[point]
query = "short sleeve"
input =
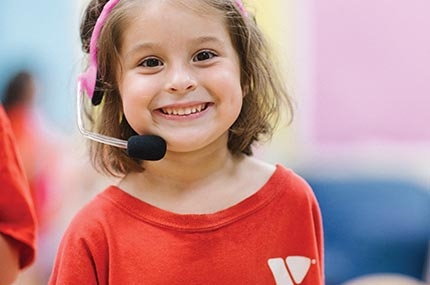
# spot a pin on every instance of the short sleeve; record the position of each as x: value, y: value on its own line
x: 17, y: 217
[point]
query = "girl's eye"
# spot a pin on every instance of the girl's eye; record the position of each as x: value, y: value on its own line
x: 151, y: 62
x: 204, y: 55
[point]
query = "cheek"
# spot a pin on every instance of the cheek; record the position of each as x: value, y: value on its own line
x: 234, y: 95
x: 136, y: 100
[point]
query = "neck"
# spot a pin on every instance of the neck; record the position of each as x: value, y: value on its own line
x: 189, y: 169
x: 179, y: 172
x: 201, y: 182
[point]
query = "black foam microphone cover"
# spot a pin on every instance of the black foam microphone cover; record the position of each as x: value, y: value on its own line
x: 146, y: 147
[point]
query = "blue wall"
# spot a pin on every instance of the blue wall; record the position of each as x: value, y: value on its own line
x: 43, y: 36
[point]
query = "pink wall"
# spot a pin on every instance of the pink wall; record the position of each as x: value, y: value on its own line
x: 371, y: 71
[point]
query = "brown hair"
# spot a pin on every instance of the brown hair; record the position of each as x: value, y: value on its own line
x: 264, y: 90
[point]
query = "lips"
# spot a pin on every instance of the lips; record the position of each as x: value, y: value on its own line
x: 184, y: 111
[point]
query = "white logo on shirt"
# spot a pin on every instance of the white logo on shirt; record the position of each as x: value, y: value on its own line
x: 292, y: 271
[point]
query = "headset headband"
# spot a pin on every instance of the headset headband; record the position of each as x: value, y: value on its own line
x: 88, y: 79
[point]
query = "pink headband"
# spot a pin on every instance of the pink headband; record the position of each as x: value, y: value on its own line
x: 241, y: 7
x: 88, y: 79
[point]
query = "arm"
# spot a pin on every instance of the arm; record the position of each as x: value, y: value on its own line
x: 9, y: 261
x: 17, y: 223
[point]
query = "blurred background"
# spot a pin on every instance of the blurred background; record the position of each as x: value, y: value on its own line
x: 358, y: 71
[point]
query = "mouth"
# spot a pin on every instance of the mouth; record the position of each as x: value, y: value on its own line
x: 184, y: 111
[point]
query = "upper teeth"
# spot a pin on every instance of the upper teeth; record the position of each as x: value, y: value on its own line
x: 183, y: 111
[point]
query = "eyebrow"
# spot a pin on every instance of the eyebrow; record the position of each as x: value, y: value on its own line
x: 153, y: 45
x: 206, y: 39
x: 141, y: 46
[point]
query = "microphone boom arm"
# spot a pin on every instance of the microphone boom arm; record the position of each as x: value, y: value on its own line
x: 91, y: 135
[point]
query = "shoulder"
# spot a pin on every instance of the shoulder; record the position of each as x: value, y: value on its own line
x: 293, y: 186
x: 277, y: 176
x: 89, y: 223
x: 287, y: 178
x: 277, y: 172
x: 279, y: 180
x: 83, y: 244
x: 94, y: 209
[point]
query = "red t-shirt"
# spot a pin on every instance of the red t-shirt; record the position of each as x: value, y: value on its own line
x: 271, y: 237
x: 17, y: 220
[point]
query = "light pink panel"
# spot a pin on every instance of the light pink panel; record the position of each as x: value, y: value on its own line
x: 372, y: 70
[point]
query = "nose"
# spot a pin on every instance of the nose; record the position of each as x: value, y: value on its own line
x: 181, y: 80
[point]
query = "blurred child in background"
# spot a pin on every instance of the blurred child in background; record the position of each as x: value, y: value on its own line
x: 19, y: 103
x: 40, y: 154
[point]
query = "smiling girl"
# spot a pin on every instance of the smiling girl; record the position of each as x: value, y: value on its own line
x: 198, y: 74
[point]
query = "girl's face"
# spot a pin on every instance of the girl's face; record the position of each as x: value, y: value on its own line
x: 180, y: 76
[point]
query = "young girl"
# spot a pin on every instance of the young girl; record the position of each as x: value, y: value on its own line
x: 198, y: 74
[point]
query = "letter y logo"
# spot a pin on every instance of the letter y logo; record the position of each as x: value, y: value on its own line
x: 292, y: 271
